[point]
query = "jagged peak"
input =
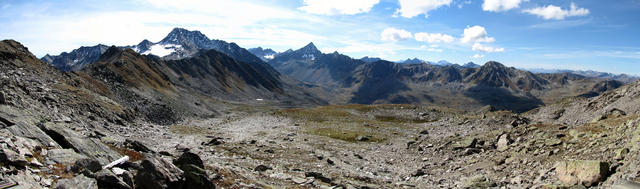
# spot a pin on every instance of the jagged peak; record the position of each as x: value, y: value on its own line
x: 310, y: 48
x: 179, y: 33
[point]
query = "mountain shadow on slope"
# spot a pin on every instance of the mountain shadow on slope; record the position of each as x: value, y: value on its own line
x: 502, y: 99
x: 377, y: 81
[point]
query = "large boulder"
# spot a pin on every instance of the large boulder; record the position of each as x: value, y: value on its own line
x: 32, y: 132
x: 194, y: 173
x: 78, y: 182
x: 64, y: 156
x: 158, y: 173
x: 107, y: 179
x: 91, y: 147
x: 585, y: 172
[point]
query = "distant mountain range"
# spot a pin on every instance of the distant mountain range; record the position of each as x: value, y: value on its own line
x: 625, y: 78
x: 189, y: 61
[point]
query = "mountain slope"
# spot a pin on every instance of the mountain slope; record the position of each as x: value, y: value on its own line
x: 467, y: 87
x: 76, y: 59
x: 308, y: 64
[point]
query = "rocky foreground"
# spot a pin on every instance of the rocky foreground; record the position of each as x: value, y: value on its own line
x: 62, y: 130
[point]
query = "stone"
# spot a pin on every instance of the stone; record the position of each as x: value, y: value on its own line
x: 91, y: 147
x: 189, y: 158
x: 470, y: 151
x: 3, y: 99
x: 194, y: 173
x: 214, y: 141
x: 13, y: 158
x: 86, y: 164
x: 158, y: 173
x: 621, y: 153
x: 196, y: 177
x: 419, y: 172
x: 106, y: 179
x: 118, y: 171
x: 552, y: 142
x: 262, y: 168
x: 469, y: 142
x: 479, y: 181
x: 137, y: 146
x: 32, y: 132
x: 424, y: 132
x: 64, y: 156
x: 78, y: 182
x: 318, y: 176
x: 503, y: 142
x: 363, y: 138
x: 584, y: 172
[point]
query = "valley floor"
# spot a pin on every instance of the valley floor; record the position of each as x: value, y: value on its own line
x: 395, y: 146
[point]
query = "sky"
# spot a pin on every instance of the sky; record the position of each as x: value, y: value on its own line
x: 550, y: 34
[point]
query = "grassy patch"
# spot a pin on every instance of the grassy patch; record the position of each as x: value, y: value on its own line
x: 347, y: 122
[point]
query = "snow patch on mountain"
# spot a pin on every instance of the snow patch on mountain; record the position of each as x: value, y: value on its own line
x: 161, y: 50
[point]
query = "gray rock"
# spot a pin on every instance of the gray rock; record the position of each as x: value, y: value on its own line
x: 78, y: 182
x: 479, y: 181
x: 106, y: 179
x: 363, y: 138
x: 262, y: 168
x: 137, y: 146
x: 91, y: 147
x: 64, y: 156
x: 585, y: 172
x: 503, y: 142
x: 466, y: 143
x: 32, y: 132
x: 3, y: 100
x: 86, y: 164
x: 158, y: 173
x: 194, y: 173
x: 10, y: 157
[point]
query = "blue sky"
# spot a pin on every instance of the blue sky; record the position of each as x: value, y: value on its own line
x: 552, y: 34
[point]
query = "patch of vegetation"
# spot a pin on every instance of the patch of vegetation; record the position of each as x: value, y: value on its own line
x: 346, y: 135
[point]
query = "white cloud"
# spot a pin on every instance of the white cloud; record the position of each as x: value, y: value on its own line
x: 433, y: 37
x: 412, y: 8
x: 500, y: 5
x: 334, y: 7
x: 478, y: 56
x: 554, y: 12
x: 393, y: 34
x: 483, y: 48
x: 431, y: 48
x: 476, y: 34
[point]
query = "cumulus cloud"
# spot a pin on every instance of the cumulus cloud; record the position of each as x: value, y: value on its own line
x: 412, y: 8
x: 500, y: 5
x: 334, y: 7
x: 393, y: 34
x: 433, y: 37
x: 476, y: 34
x: 554, y: 12
x: 478, y: 56
x: 484, y: 48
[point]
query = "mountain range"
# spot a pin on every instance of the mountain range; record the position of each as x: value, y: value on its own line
x: 190, y: 60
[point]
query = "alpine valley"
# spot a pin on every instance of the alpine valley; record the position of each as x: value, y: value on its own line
x: 193, y: 112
